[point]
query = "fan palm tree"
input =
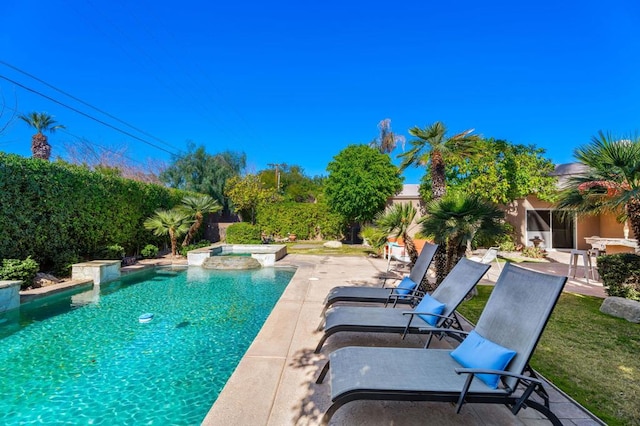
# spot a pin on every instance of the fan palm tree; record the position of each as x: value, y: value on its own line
x: 431, y: 148
x: 196, y: 207
x: 611, y: 181
x: 387, y: 140
x: 456, y: 219
x: 395, y: 221
x: 42, y: 122
x: 168, y: 222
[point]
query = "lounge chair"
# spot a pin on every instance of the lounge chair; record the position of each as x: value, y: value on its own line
x: 511, y: 323
x: 451, y: 292
x: 402, y: 294
x: 490, y: 255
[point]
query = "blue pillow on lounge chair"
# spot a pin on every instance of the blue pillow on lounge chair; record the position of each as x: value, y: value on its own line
x: 477, y: 352
x: 406, y: 286
x: 429, y: 305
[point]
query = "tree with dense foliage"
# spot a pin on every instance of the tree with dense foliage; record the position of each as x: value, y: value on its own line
x: 455, y: 220
x: 387, y: 140
x: 41, y: 122
x: 198, y: 171
x: 173, y: 223
x: 501, y: 174
x: 396, y: 221
x: 247, y: 193
x: 292, y: 183
x: 196, y: 207
x: 610, y: 182
x: 361, y: 180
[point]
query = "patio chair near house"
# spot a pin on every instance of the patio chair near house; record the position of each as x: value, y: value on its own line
x: 435, y: 311
x: 491, y: 255
x: 488, y: 367
x: 404, y: 293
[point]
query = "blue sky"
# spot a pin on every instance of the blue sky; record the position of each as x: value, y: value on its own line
x: 296, y: 82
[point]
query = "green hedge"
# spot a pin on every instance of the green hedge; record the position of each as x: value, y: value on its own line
x: 620, y: 274
x: 243, y: 233
x: 52, y: 208
x: 307, y: 220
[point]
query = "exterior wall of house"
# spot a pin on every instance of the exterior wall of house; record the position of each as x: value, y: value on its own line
x: 604, y: 225
x: 410, y: 194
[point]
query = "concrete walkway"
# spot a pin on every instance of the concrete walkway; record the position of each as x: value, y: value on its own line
x: 274, y: 384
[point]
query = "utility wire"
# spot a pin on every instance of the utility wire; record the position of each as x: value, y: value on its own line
x: 86, y: 103
x: 133, y: 160
x: 87, y: 115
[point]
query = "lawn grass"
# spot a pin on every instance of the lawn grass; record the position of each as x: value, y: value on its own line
x: 316, y: 247
x: 593, y: 357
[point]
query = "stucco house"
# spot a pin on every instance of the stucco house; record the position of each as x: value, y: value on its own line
x: 539, y: 221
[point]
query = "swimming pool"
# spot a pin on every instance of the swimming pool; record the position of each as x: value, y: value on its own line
x: 86, y: 359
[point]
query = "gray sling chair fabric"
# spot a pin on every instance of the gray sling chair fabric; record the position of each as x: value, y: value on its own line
x: 514, y: 317
x: 451, y: 291
x: 384, y: 294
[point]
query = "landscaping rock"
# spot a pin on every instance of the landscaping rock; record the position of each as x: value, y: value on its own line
x: 43, y: 280
x: 231, y: 262
x: 622, y: 308
x: 332, y: 244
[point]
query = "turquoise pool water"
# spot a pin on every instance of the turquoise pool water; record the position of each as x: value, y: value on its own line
x: 86, y: 359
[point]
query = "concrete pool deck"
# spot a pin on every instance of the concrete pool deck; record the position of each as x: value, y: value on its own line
x: 274, y: 384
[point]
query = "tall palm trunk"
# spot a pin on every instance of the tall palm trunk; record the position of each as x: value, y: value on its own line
x: 174, y: 242
x: 438, y: 176
x: 439, y: 189
x: 40, y: 147
x: 193, y: 229
x: 410, y: 247
x: 633, y: 212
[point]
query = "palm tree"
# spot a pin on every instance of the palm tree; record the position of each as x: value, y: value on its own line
x: 456, y: 219
x: 168, y: 222
x: 42, y: 122
x: 431, y: 148
x: 611, y: 181
x: 196, y: 207
x: 395, y: 221
x: 387, y: 140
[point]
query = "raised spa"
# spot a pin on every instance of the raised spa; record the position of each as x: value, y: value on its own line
x: 266, y: 254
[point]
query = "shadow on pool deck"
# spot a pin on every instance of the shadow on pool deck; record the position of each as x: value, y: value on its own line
x: 274, y: 384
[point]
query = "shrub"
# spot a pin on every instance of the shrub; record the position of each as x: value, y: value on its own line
x: 149, y: 251
x: 503, y: 239
x: 620, y: 274
x: 375, y: 237
x: 183, y: 250
x: 533, y: 252
x: 19, y: 270
x: 63, y: 261
x: 243, y: 233
x: 112, y: 252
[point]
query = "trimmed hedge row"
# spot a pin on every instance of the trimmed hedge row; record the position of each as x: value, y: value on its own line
x: 307, y: 220
x: 58, y: 211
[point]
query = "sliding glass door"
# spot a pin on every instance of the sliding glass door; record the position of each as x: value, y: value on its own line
x: 554, y: 229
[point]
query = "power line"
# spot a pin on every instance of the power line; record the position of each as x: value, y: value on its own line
x: 104, y: 148
x: 86, y: 103
x: 86, y: 115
